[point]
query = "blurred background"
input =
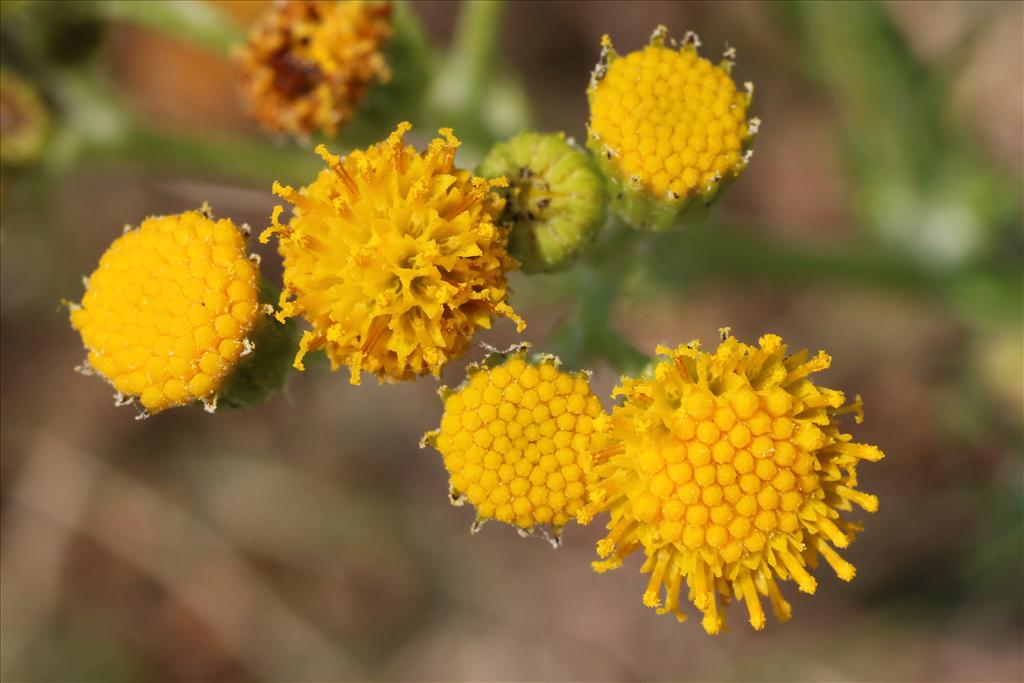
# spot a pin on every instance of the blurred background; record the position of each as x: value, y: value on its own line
x: 309, y: 538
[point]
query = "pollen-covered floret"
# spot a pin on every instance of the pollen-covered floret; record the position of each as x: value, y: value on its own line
x: 308, y: 63
x: 729, y: 470
x: 165, y: 315
x: 516, y: 438
x: 394, y: 258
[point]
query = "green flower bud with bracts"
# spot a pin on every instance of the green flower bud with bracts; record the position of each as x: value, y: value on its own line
x: 555, y: 200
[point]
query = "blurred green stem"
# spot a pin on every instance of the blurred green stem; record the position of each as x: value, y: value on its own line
x: 595, y: 282
x: 100, y: 127
x: 474, y: 53
x: 468, y: 71
x: 721, y: 251
x: 193, y: 22
x: 409, y: 32
x: 235, y: 158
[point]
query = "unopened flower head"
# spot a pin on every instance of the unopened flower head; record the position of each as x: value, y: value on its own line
x: 516, y: 438
x: 668, y: 127
x: 555, y: 200
x: 24, y: 120
x: 308, y: 63
x: 729, y: 471
x: 394, y: 258
x: 166, y: 314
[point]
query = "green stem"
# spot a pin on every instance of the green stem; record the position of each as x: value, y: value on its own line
x: 722, y: 252
x: 410, y: 34
x: 237, y: 158
x: 601, y: 339
x: 595, y: 283
x: 475, y: 51
x: 459, y: 94
x: 194, y: 22
x: 99, y: 127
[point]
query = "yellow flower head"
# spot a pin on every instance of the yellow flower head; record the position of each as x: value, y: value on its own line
x: 394, y: 258
x: 729, y: 470
x: 667, y: 125
x: 308, y: 63
x: 165, y: 315
x: 516, y: 438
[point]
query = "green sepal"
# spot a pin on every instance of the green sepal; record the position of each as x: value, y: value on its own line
x: 637, y: 207
x: 264, y: 370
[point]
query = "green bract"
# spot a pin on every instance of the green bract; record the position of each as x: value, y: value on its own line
x: 265, y: 371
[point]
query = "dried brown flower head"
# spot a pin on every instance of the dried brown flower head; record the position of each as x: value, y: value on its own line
x: 308, y: 63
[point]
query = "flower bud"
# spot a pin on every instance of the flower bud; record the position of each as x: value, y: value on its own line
x: 555, y: 200
x: 24, y: 120
x: 669, y: 129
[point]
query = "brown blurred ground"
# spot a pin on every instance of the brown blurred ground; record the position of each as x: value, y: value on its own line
x: 310, y: 538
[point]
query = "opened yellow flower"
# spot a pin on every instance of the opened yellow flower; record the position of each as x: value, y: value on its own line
x: 516, y: 438
x: 394, y: 258
x: 308, y: 63
x: 729, y: 470
x: 166, y: 314
x: 668, y: 126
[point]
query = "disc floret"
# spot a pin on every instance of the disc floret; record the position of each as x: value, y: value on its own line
x: 729, y: 470
x: 394, y: 258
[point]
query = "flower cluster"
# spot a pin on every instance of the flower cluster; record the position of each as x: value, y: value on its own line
x: 728, y: 470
